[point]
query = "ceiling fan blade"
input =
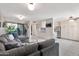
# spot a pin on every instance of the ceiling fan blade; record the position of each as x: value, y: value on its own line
x: 76, y: 18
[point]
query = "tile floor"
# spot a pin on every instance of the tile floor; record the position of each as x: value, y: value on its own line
x: 68, y: 47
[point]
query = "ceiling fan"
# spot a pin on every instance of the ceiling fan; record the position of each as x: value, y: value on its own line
x: 73, y: 18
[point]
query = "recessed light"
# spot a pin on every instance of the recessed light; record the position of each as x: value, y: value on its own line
x: 21, y: 17
x: 31, y: 6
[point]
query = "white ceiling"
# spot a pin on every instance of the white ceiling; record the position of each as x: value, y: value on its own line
x: 42, y: 10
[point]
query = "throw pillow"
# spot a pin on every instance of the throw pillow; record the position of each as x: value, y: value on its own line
x: 11, y: 37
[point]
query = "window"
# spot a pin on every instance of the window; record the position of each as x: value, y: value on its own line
x: 19, y: 28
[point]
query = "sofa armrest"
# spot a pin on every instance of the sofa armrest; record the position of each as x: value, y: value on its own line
x: 46, y: 43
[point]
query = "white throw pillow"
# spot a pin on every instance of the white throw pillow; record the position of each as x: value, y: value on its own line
x: 11, y: 37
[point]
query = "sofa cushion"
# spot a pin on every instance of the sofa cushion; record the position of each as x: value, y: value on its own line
x: 47, y: 43
x: 5, y: 36
x: 8, y: 37
x: 3, y: 40
x: 10, y: 45
x: 24, y: 50
x: 51, y: 51
x: 2, y: 47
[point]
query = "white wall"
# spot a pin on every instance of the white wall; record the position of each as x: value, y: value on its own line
x: 70, y: 29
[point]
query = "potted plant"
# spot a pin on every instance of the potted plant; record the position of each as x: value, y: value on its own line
x: 10, y: 29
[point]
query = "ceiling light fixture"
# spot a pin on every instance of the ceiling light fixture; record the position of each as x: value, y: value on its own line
x: 31, y: 6
x: 21, y: 17
x: 71, y: 18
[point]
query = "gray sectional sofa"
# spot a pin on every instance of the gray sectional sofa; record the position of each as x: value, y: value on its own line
x: 44, y: 48
x: 49, y: 48
x: 26, y: 50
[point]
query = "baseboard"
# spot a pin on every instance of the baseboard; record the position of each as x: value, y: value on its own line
x: 70, y: 39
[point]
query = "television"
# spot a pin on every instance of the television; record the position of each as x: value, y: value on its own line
x: 49, y: 25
